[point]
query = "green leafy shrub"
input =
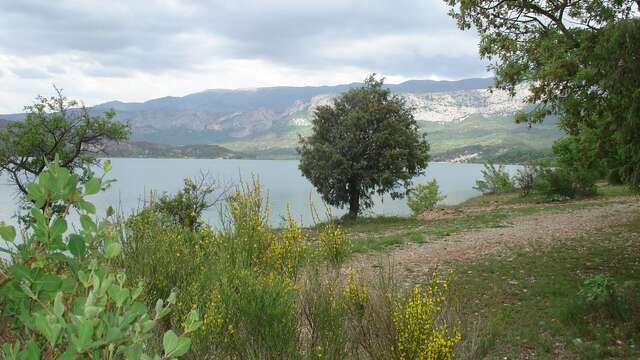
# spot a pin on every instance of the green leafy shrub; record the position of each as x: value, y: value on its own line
x: 61, y: 297
x: 577, y: 170
x: 603, y: 298
x: 187, y: 205
x: 495, y: 180
x: 525, y: 179
x: 424, y: 197
x: 564, y: 183
x: 614, y: 177
x: 598, y: 290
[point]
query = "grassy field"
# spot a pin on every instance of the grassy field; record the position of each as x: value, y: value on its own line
x: 532, y: 302
x: 529, y: 304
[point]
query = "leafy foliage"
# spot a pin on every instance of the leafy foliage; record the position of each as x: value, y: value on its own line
x: 188, y: 204
x: 579, y: 60
x: 525, y: 179
x: 62, y: 298
x: 368, y: 142
x: 424, y: 197
x: 495, y: 180
x: 55, y: 127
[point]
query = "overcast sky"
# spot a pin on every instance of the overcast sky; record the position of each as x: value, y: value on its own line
x: 134, y: 50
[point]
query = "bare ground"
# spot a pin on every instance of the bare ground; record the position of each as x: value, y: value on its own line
x: 414, y: 262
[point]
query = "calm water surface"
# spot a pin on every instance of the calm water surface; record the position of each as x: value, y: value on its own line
x: 280, y: 179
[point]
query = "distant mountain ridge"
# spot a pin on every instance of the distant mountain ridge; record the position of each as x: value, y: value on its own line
x: 268, y: 120
x: 280, y: 98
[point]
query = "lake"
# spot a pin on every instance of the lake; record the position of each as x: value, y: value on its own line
x: 280, y: 179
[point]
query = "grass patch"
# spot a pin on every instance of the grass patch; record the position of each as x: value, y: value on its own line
x: 528, y: 304
x: 378, y: 233
x: 515, y: 198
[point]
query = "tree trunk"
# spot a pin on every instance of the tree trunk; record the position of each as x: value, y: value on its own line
x: 354, y: 199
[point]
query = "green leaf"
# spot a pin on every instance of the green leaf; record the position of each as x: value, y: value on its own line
x: 112, y: 249
x: 136, y: 310
x: 193, y: 321
x: 49, y: 329
x: 67, y: 355
x: 118, y: 294
x: 58, y: 305
x: 107, y: 166
x: 7, y: 233
x: 87, y: 223
x: 77, y: 245
x: 92, y: 186
x: 84, y: 278
x: 110, y: 211
x: 30, y: 352
x: 36, y: 194
x: 85, y: 333
x: 48, y: 283
x: 38, y: 216
x: 58, y: 228
x: 184, y: 343
x: 87, y: 206
x: 169, y: 342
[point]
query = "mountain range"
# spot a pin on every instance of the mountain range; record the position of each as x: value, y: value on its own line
x: 463, y: 119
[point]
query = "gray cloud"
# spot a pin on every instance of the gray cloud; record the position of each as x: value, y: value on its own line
x: 123, y: 37
x: 30, y: 73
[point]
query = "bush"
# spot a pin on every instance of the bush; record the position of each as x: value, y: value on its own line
x: 496, y: 180
x: 615, y: 177
x: 424, y: 197
x: 420, y: 333
x: 525, y: 179
x: 598, y: 290
x: 242, y: 277
x: 186, y: 206
x: 62, y: 297
x: 603, y: 298
x: 565, y: 183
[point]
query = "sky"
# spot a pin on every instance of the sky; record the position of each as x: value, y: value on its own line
x: 136, y: 50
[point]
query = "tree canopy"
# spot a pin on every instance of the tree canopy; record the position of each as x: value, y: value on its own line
x: 367, y: 142
x: 55, y: 127
x: 579, y: 59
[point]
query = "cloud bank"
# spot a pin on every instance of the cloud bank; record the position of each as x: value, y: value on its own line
x: 139, y: 49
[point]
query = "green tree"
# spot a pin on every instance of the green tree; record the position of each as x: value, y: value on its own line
x: 55, y: 126
x: 368, y: 142
x: 579, y: 59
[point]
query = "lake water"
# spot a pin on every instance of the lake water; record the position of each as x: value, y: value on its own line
x: 281, y: 179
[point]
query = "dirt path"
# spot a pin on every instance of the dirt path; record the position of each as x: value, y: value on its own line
x: 414, y: 261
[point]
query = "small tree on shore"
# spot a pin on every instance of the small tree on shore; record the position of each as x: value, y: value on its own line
x: 367, y: 142
x: 55, y: 126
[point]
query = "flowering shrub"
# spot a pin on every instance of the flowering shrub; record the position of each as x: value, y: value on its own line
x: 62, y: 298
x: 260, y: 293
x: 420, y: 333
x: 334, y: 246
x: 355, y: 294
x: 242, y: 278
